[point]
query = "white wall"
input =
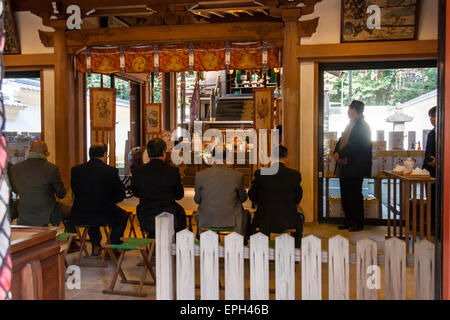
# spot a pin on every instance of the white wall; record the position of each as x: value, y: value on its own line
x: 28, y: 25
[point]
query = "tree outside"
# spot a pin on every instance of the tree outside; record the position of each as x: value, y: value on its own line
x: 381, y: 87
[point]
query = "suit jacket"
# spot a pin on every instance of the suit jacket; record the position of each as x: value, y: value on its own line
x: 358, y: 152
x: 430, y: 151
x: 96, y: 188
x: 277, y: 197
x: 157, y: 185
x: 219, y: 191
x: 37, y: 182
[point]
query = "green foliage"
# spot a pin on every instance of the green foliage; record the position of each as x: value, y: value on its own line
x: 123, y: 88
x: 383, y: 87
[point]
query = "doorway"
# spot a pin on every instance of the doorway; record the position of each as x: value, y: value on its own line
x: 127, y: 121
x: 397, y: 97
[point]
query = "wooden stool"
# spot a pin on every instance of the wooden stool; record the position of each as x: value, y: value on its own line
x: 65, y: 239
x: 220, y: 231
x: 189, y: 215
x: 131, y: 219
x: 83, y: 248
x: 143, y: 245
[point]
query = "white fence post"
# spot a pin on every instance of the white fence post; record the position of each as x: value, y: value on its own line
x: 164, y: 268
x: 395, y: 269
x: 209, y: 265
x: 259, y: 267
x: 234, y: 267
x: 311, y: 268
x: 366, y: 260
x: 285, y: 267
x: 424, y: 270
x: 185, y: 265
x: 338, y: 268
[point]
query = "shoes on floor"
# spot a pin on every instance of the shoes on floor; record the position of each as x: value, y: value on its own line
x: 116, y: 253
x: 344, y: 226
x: 96, y: 251
x: 355, y: 229
x: 73, y: 248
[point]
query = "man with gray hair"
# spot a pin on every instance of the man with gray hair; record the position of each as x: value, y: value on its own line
x: 37, y: 182
x: 220, y: 192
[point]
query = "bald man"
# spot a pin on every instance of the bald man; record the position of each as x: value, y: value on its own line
x: 37, y: 182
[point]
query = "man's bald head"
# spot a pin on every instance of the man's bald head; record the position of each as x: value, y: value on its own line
x: 39, y: 147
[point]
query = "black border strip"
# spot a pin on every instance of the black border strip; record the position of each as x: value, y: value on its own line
x: 440, y: 151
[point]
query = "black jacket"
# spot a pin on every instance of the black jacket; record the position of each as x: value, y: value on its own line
x: 157, y: 185
x: 358, y: 152
x: 96, y: 188
x: 277, y: 197
x: 430, y: 151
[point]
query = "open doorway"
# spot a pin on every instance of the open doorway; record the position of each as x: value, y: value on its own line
x: 397, y: 97
x: 127, y: 115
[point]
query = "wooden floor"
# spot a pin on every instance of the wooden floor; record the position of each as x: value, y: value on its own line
x: 94, y: 280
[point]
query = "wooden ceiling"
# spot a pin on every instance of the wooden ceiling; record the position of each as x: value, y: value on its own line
x: 169, y: 12
x: 87, y: 5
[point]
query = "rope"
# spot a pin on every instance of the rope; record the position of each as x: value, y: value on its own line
x: 5, y: 231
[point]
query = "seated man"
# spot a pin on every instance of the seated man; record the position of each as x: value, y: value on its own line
x: 97, y: 188
x: 220, y: 192
x: 277, y: 197
x: 37, y: 182
x: 157, y: 185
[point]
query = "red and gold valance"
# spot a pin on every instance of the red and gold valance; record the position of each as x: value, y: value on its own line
x: 139, y: 59
x: 210, y: 57
x: 173, y: 58
x: 179, y: 57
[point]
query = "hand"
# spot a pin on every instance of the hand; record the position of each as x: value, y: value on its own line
x: 336, y: 157
x: 432, y: 163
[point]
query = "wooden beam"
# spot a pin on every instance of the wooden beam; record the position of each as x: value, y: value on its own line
x: 29, y: 60
x: 368, y: 50
x: 250, y: 31
x: 45, y: 6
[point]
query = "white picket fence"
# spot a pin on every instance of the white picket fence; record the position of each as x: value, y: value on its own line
x: 285, y: 255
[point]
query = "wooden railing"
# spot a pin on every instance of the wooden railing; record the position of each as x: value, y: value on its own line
x: 285, y: 255
x: 413, y: 220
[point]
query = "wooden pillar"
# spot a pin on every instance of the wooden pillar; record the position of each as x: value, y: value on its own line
x: 65, y: 120
x: 183, y: 97
x: 80, y: 118
x: 290, y: 84
x: 173, y: 101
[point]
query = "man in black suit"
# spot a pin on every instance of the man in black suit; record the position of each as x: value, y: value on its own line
x: 97, y: 189
x: 277, y: 197
x: 429, y: 162
x: 158, y: 186
x: 430, y: 151
x: 353, y: 155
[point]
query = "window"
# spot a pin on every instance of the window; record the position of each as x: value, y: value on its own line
x: 22, y: 100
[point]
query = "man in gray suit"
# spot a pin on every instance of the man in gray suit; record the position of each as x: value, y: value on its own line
x: 37, y: 182
x: 220, y: 192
